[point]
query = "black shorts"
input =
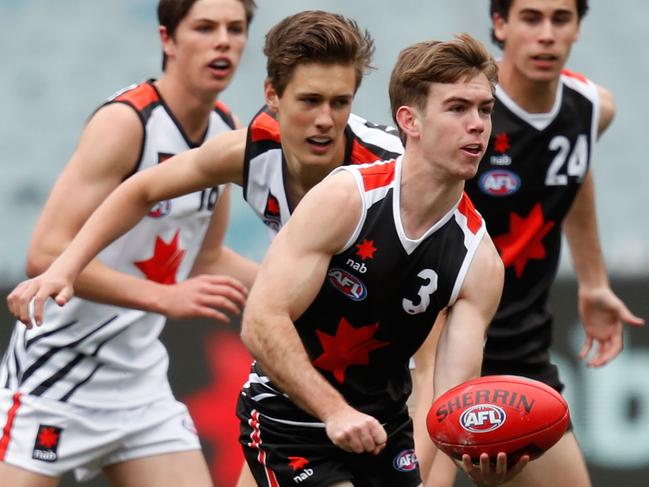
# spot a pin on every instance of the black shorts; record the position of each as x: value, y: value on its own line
x: 519, y: 344
x: 542, y: 370
x: 282, y: 454
x: 537, y: 367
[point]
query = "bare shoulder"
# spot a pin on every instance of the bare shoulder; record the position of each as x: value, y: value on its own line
x: 485, y: 277
x: 607, y: 109
x: 332, y: 209
x: 111, y: 141
x: 116, y: 119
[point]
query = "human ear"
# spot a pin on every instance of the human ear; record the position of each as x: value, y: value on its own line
x: 271, y: 96
x: 406, y: 118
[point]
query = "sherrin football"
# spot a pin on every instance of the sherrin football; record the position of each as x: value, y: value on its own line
x: 512, y: 414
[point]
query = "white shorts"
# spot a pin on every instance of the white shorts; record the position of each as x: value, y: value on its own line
x: 52, y: 438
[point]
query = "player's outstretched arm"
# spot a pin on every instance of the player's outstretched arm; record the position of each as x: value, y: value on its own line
x: 220, y: 160
x: 602, y: 312
x: 459, y: 353
x: 459, y: 350
x: 289, y: 279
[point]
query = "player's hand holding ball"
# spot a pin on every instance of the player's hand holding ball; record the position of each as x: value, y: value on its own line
x: 494, y: 425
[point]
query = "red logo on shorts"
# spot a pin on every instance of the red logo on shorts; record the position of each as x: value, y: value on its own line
x: 297, y: 463
x: 47, y: 442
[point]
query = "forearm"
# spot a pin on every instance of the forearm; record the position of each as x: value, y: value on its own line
x: 423, y: 390
x: 459, y: 351
x: 230, y: 263
x: 120, y: 212
x: 580, y: 228
x: 279, y: 350
x: 98, y: 282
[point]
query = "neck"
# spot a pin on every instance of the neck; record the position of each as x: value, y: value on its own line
x: 426, y: 194
x: 302, y: 177
x: 532, y: 96
x: 191, y: 108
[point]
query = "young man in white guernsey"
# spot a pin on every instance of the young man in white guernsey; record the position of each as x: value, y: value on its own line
x: 326, y: 399
x: 308, y: 103
x: 88, y: 390
x: 535, y: 183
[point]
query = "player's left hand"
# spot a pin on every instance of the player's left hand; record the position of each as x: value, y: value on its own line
x: 602, y: 314
x: 487, y: 475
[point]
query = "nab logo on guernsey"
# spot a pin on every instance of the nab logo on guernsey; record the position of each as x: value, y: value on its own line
x: 47, y: 443
x: 482, y: 418
x: 406, y: 461
x: 499, y: 182
x: 348, y: 284
x: 357, y: 266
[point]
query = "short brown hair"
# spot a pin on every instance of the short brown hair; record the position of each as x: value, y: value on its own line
x: 314, y: 36
x: 172, y: 12
x: 424, y: 63
x: 502, y: 8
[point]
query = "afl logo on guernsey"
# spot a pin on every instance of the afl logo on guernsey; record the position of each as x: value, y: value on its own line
x: 406, y: 461
x: 499, y: 182
x: 163, y: 208
x: 348, y: 284
x: 482, y: 418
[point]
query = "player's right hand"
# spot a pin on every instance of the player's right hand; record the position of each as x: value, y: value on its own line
x: 27, y: 299
x: 485, y: 474
x: 356, y: 432
x: 204, y: 296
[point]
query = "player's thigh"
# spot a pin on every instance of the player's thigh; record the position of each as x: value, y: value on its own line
x: 182, y: 469
x: 562, y: 465
x: 19, y: 477
x: 245, y: 477
x: 442, y: 472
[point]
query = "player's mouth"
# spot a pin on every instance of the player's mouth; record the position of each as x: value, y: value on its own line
x: 545, y: 60
x: 475, y: 150
x: 319, y: 144
x: 221, y: 67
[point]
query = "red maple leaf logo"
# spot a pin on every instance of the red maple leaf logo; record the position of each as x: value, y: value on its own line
x: 297, y: 463
x: 366, y: 249
x: 501, y: 142
x: 524, y: 240
x: 48, y: 438
x: 350, y: 346
x: 164, y: 263
x: 272, y: 205
x: 213, y: 408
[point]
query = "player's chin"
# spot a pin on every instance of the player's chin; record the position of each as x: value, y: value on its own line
x: 467, y: 172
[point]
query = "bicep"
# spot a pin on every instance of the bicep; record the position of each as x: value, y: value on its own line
x: 107, y: 152
x: 294, y: 268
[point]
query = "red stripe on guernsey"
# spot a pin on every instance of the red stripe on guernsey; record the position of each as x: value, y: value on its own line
x: 6, y: 431
x: 573, y: 74
x: 265, y: 127
x: 378, y: 175
x: 141, y: 96
x: 361, y: 154
x: 219, y: 105
x: 255, y: 442
x: 473, y: 218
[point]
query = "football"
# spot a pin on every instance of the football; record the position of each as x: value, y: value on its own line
x: 512, y: 414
